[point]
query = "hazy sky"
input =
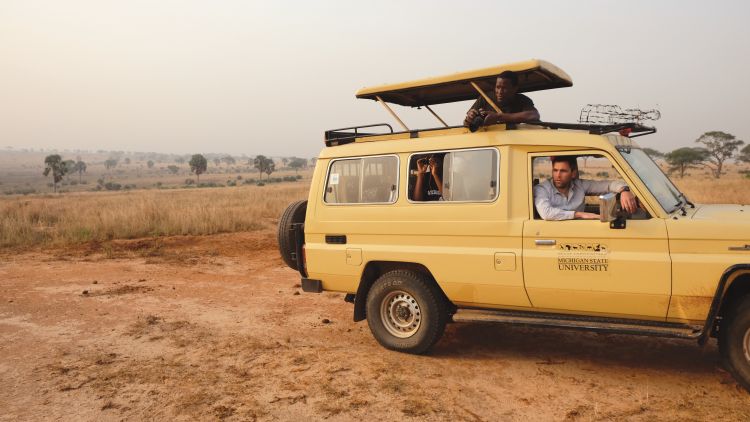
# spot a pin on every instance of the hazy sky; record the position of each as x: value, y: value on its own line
x: 270, y: 77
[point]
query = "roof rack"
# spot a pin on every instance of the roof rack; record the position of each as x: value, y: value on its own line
x: 632, y: 129
x: 348, y: 135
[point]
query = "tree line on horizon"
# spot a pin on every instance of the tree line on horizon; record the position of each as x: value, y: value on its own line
x: 58, y: 168
x: 716, y: 148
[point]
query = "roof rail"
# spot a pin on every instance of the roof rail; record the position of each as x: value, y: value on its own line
x: 348, y: 135
x: 632, y: 129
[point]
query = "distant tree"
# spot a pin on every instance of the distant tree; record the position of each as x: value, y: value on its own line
x: 70, y: 167
x: 262, y: 163
x: 217, y: 162
x: 297, y: 163
x: 270, y: 167
x: 654, y: 154
x: 745, y: 154
x: 127, y: 160
x: 173, y: 168
x: 179, y: 160
x: 229, y: 160
x: 720, y: 147
x: 285, y: 161
x: 198, y: 165
x: 80, y: 168
x: 150, y: 164
x: 53, y: 164
x: 684, y: 158
x: 110, y: 163
x: 313, y: 161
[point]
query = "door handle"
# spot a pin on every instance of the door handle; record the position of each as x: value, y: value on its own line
x: 545, y: 242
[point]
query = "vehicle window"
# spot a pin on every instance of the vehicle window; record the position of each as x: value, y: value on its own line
x: 596, y: 168
x: 367, y: 180
x: 457, y: 176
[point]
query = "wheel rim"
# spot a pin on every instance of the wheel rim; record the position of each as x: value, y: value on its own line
x: 746, y: 344
x: 401, y: 314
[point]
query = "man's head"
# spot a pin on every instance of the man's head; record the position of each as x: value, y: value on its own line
x: 564, y: 171
x: 506, y: 86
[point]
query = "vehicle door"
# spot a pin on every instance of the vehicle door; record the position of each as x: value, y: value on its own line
x: 584, y: 266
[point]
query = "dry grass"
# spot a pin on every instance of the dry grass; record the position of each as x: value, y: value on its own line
x: 732, y: 188
x: 82, y: 217
x: 57, y: 220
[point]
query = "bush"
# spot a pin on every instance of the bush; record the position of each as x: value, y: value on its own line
x: 112, y: 186
x: 83, y: 182
x: 73, y: 182
x: 249, y: 181
x: 189, y: 182
x: 299, y: 176
x: 260, y: 184
x: 239, y: 177
x: 210, y: 185
x: 231, y: 183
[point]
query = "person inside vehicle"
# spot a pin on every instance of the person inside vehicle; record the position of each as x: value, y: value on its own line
x: 516, y: 108
x: 562, y: 197
x: 429, y: 184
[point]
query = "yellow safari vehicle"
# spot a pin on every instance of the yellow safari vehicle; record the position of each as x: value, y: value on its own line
x: 414, y: 252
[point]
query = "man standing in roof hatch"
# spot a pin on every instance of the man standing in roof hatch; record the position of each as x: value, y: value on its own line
x: 516, y: 108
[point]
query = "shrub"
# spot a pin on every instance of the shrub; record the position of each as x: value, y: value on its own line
x: 239, y: 177
x: 189, y: 182
x: 112, y: 186
x: 260, y: 184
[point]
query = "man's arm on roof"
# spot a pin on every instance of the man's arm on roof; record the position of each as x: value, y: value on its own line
x: 544, y: 206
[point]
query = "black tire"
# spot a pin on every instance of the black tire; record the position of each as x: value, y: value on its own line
x: 734, y: 342
x: 293, y: 214
x: 406, y: 311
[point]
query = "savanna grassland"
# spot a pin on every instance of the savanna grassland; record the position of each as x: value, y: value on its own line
x: 167, y: 302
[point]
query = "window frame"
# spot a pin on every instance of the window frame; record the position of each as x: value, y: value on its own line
x: 530, y: 156
x: 497, y: 180
x: 362, y: 157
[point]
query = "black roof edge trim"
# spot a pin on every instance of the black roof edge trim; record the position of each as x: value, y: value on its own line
x: 343, y: 136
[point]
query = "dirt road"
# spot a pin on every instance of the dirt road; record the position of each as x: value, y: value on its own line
x: 216, y: 327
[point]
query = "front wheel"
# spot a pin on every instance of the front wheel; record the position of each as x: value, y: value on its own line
x: 406, y: 311
x: 734, y: 343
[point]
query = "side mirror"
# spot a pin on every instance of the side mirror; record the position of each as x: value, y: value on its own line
x: 607, y: 203
x: 608, y: 211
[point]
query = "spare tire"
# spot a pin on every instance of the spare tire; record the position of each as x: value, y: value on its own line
x: 293, y: 214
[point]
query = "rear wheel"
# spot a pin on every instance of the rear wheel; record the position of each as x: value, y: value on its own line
x: 406, y: 311
x: 294, y: 214
x: 734, y: 342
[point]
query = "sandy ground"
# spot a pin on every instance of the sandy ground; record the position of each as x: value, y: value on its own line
x: 217, y: 328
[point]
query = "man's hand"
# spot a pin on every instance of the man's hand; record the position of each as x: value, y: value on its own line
x: 472, y: 114
x: 493, y: 118
x: 586, y: 215
x: 628, y: 202
x: 422, y: 164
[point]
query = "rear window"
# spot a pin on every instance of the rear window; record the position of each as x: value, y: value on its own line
x: 366, y: 180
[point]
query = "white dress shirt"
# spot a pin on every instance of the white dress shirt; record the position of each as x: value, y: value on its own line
x: 553, y: 205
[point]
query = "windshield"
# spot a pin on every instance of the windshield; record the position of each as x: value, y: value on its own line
x: 656, y: 181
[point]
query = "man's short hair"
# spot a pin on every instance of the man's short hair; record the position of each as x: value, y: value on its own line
x: 570, y: 159
x: 509, y: 75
